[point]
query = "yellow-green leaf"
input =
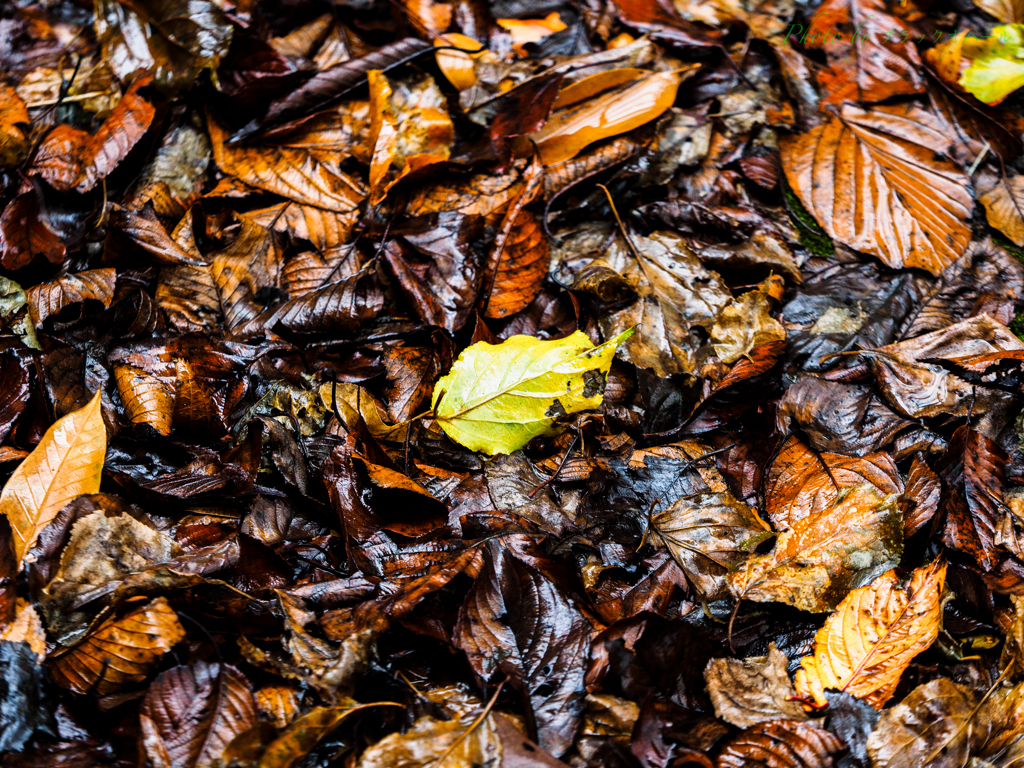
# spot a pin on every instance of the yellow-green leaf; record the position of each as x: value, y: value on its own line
x: 498, y: 397
x: 997, y: 63
x: 67, y: 463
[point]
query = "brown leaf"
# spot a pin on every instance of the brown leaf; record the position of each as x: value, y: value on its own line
x: 67, y: 463
x: 71, y: 159
x: 802, y: 482
x: 1003, y: 198
x: 279, y: 703
x: 147, y: 399
x: 751, y: 691
x: 430, y: 740
x: 191, y: 714
x: 877, y: 181
x: 121, y: 651
x: 972, y: 474
x: 821, y: 557
x: 146, y: 231
x: 47, y: 299
x: 411, y: 372
x: 336, y: 305
x: 706, y: 535
x: 870, y: 53
x: 875, y: 633
x: 745, y: 323
x: 920, y: 501
x: 24, y: 235
x: 1006, y: 11
x: 780, y: 744
x: 479, y: 195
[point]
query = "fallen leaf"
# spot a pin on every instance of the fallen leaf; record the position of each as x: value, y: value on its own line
x: 71, y: 159
x: 1003, y: 198
x: 751, y: 691
x: 875, y: 633
x: 995, y: 71
x: 47, y: 299
x: 192, y: 713
x: 457, y: 66
x: 497, y: 398
x: 13, y: 140
x: 870, y: 52
x: 24, y: 710
x: 877, y: 180
x: 299, y: 738
x: 526, y: 31
x: 820, y: 558
x: 1006, y: 11
x: 781, y: 743
x: 744, y: 324
x: 67, y: 463
x: 569, y: 131
x: 147, y: 399
x: 708, y: 535
x: 437, y: 743
x: 175, y: 40
x: 24, y: 235
x: 120, y: 651
x: 522, y: 265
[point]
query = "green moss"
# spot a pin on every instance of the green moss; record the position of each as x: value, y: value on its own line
x: 812, y: 236
x: 1017, y: 326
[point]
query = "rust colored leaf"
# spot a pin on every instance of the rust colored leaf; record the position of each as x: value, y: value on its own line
x: 877, y: 180
x: 71, y: 159
x: 147, y: 399
x: 191, y: 714
x: 24, y: 235
x: 870, y: 52
x: 972, y: 473
x: 67, y: 463
x: 47, y: 299
x: 1003, y: 198
x: 146, y: 231
x: 780, y: 744
x: 121, y: 651
x: 875, y: 633
x: 921, y: 498
x: 802, y: 482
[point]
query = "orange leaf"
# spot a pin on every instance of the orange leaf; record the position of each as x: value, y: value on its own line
x: 146, y: 399
x: 525, y: 31
x: 569, y: 131
x: 73, y: 159
x: 873, y: 635
x: 13, y: 114
x: 120, y: 651
x: 66, y: 464
x: 50, y: 298
x: 457, y: 66
x: 878, y: 181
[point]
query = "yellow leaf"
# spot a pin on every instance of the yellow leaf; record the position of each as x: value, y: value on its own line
x: 873, y: 635
x: 997, y: 64
x: 66, y: 464
x: 458, y: 66
x: 525, y: 31
x: 643, y: 100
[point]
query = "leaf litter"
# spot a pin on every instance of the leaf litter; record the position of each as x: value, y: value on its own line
x: 449, y: 384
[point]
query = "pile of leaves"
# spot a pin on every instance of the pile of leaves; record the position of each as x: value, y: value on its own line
x: 423, y: 383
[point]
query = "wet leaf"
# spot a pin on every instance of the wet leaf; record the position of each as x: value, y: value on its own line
x: 522, y: 266
x: 820, y: 558
x: 66, y: 463
x: 71, y: 159
x: 780, y: 744
x: 751, y: 691
x: 708, y: 535
x: 23, y: 709
x: 121, y: 651
x: 1003, y: 199
x: 444, y: 744
x: 47, y: 299
x: 875, y: 633
x: 303, y: 734
x: 569, y: 131
x: 147, y: 399
x: 497, y: 398
x: 24, y: 235
x: 870, y: 52
x: 919, y: 200
x: 746, y: 323
x: 174, y: 40
x: 191, y: 714
x: 995, y: 71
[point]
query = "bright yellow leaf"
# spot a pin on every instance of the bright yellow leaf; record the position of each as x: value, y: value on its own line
x: 997, y: 64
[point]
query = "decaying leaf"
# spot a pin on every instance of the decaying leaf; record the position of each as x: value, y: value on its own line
x: 782, y: 743
x: 430, y: 742
x: 876, y: 631
x: 745, y: 324
x: 752, y: 691
x: 67, y: 463
x: 497, y: 398
x: 50, y: 298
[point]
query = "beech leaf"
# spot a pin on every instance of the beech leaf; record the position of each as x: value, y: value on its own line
x: 67, y: 463
x: 498, y: 397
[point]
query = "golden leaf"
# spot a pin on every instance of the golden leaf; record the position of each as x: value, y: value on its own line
x: 873, y: 635
x: 67, y: 463
x: 121, y: 651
